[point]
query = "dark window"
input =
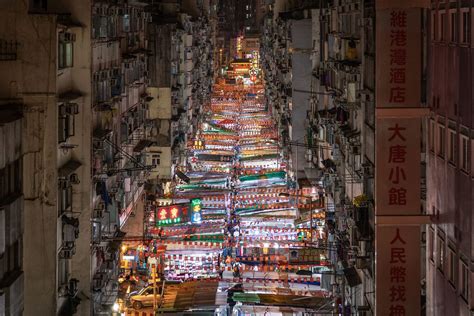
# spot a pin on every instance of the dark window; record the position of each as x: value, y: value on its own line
x: 66, y: 123
x: 65, y: 197
x: 465, y: 27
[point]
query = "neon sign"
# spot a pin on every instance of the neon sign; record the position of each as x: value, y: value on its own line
x: 196, y: 207
x: 170, y: 215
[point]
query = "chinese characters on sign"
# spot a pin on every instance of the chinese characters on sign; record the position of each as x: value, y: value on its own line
x: 397, y: 167
x: 397, y: 294
x: 169, y: 215
x: 398, y: 55
x: 398, y: 270
x: 396, y: 159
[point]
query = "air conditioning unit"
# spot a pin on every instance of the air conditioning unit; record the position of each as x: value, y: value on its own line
x: 74, y: 178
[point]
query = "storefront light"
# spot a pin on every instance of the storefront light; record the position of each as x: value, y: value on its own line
x: 116, y: 307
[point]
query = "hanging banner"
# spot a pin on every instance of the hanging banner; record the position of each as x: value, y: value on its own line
x: 398, y: 57
x: 397, y: 138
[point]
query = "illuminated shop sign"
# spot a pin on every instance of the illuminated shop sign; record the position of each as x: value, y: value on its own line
x: 172, y: 214
x: 196, y: 211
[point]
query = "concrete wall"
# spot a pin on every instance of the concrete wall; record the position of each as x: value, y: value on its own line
x: 160, y: 106
x: 301, y: 75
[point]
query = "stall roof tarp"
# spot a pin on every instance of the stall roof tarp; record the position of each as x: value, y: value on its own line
x: 281, y: 300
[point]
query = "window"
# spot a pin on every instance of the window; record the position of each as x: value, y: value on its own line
x: 432, y: 135
x: 126, y: 23
x: 65, y: 197
x: 10, y: 179
x: 66, y: 123
x: 65, y: 50
x: 441, y: 254
x: 38, y: 5
x: 63, y: 271
x: 453, y: 27
x: 452, y: 267
x: 155, y: 159
x: 431, y: 241
x: 434, y: 26
x: 464, y: 280
x: 442, y: 25
x: 451, y: 145
x: 465, y: 26
x: 441, y: 140
x: 464, y: 153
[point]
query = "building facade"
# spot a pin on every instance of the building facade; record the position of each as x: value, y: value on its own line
x: 450, y: 143
x: 48, y: 160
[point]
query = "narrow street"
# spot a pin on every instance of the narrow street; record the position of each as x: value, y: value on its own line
x: 234, y: 219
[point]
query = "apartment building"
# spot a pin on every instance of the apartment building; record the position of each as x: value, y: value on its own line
x: 341, y: 125
x: 46, y: 156
x: 11, y: 205
x: 326, y: 80
x: 119, y: 49
x: 450, y: 159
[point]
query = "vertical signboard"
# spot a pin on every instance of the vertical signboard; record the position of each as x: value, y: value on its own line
x: 196, y: 210
x: 397, y: 177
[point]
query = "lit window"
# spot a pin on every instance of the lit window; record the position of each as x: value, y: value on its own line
x: 65, y: 50
x: 441, y: 140
x: 464, y: 278
x: 465, y: 26
x: 451, y: 145
x: 464, y: 153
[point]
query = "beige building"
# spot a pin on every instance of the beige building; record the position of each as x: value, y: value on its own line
x: 43, y: 75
